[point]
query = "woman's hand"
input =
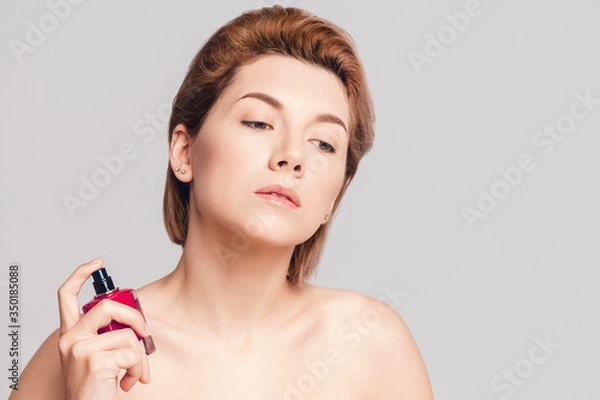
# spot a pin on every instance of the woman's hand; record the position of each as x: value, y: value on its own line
x: 91, y: 363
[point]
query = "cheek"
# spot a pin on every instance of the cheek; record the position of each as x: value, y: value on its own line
x: 218, y: 157
x: 334, y: 186
x: 213, y: 172
x: 328, y: 177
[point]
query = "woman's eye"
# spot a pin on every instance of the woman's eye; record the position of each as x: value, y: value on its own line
x: 326, y: 147
x: 256, y: 125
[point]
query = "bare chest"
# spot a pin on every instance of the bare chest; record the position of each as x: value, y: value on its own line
x: 318, y: 369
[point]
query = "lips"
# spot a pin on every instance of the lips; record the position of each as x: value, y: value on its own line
x: 280, y: 193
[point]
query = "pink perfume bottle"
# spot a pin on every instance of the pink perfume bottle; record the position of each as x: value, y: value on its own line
x: 105, y: 289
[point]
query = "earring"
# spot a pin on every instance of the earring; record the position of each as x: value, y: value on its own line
x: 183, y: 171
x: 327, y: 217
x: 177, y: 169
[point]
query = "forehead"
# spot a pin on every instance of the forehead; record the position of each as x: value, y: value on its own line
x: 298, y: 85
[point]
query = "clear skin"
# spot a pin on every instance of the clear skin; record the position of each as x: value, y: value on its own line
x: 226, y: 323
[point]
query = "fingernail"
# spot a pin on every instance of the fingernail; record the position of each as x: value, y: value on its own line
x: 95, y: 261
x: 149, y: 345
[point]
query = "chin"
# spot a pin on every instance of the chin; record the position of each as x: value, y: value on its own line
x: 278, y: 236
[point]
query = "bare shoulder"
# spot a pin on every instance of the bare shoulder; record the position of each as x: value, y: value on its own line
x: 42, y: 376
x: 386, y: 354
x: 345, y: 306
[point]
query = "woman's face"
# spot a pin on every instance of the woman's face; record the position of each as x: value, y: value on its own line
x: 280, y: 122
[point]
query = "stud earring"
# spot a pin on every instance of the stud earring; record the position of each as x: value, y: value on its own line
x: 177, y: 169
x: 327, y: 217
x: 183, y: 171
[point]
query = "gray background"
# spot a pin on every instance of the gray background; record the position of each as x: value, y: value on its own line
x: 473, y: 298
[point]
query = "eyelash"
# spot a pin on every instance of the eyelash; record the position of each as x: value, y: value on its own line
x: 329, y: 149
x: 252, y: 125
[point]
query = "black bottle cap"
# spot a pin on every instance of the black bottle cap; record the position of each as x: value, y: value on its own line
x: 102, y: 281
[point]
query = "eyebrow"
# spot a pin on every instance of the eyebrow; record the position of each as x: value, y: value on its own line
x: 273, y: 102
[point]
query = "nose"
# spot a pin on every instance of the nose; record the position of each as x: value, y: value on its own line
x: 289, y: 156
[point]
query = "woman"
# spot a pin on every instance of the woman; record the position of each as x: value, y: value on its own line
x: 266, y: 133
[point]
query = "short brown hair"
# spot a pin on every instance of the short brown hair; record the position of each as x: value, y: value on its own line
x: 270, y: 30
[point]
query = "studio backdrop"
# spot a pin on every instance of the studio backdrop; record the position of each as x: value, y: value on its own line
x: 475, y: 215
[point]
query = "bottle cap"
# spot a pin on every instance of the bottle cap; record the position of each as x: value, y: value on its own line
x: 102, y: 281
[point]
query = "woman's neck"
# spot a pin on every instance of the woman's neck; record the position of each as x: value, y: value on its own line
x: 231, y: 290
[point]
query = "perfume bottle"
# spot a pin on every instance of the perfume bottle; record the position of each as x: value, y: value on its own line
x: 105, y: 289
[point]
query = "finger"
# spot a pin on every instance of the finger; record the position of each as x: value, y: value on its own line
x: 110, y: 363
x: 113, y: 340
x: 133, y: 375
x: 145, y: 378
x: 106, y: 356
x: 132, y: 360
x: 73, y: 346
x: 68, y: 304
x: 106, y: 311
x: 125, y: 338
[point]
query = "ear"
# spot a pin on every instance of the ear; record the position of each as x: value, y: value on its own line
x: 180, y: 154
